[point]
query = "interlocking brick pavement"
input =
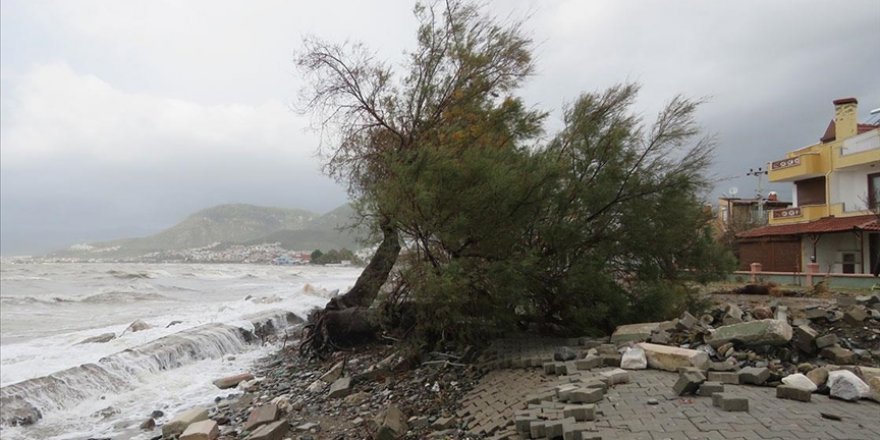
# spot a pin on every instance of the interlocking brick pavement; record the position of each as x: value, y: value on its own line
x: 624, y: 413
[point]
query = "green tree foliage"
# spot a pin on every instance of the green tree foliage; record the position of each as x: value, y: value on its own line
x: 598, y: 225
x: 334, y: 256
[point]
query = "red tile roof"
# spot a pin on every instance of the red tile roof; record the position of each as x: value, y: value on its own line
x: 828, y: 224
x: 830, y: 131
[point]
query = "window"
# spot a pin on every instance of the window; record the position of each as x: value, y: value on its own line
x: 873, y: 190
x: 811, y: 191
x: 848, y: 261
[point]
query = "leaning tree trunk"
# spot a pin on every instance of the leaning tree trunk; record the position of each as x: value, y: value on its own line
x: 347, y: 320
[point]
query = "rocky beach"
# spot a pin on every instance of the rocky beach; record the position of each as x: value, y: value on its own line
x: 776, y: 360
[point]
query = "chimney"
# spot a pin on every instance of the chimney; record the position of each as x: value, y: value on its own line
x: 845, y: 118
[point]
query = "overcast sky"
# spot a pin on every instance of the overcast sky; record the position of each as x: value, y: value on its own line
x: 120, y: 118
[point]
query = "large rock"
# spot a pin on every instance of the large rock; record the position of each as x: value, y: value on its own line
x: 100, y: 339
x: 204, y: 430
x: 232, y: 381
x: 804, y: 338
x: 340, y: 388
x: 799, y: 381
x: 261, y: 415
x: 390, y: 424
x: 636, y: 332
x: 847, y: 386
x: 335, y: 372
x: 273, y: 431
x: 664, y: 357
x: 137, y: 326
x: 634, y: 359
x: 838, y: 355
x: 762, y: 332
x: 179, y: 423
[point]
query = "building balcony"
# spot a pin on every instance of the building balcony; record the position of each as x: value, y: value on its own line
x: 798, y: 214
x: 795, y: 168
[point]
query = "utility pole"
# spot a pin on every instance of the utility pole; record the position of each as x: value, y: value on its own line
x: 759, y: 190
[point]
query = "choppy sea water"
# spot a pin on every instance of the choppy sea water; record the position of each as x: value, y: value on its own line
x: 106, y: 389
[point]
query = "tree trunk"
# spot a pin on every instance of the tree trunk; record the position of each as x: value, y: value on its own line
x: 347, y: 320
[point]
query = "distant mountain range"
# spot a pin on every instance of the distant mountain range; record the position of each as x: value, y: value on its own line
x: 223, y: 225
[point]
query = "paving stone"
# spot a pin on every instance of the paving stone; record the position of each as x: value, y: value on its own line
x: 799, y: 381
x: 707, y: 389
x: 580, y: 413
x: 615, y: 377
x: 724, y: 377
x: 538, y: 429
x: 586, y: 395
x: 588, y: 363
x: 855, y: 316
x: 793, y: 393
x: 564, y: 391
x: 688, y: 382
x: 550, y: 368
x: 729, y: 402
x: 753, y: 375
x: 610, y: 360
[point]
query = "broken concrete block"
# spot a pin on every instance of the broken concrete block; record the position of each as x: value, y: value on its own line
x: 538, y: 429
x: 178, y: 424
x: 390, y: 424
x: 634, y: 359
x: 664, y: 357
x: 729, y: 402
x: 762, y: 332
x: 846, y: 385
x: 707, y: 389
x: 754, y: 375
x: 335, y: 372
x: 635, y: 332
x: 793, y: 393
x: 688, y: 382
x: 814, y: 313
x: 724, y: 377
x: 563, y: 354
x: 804, y: 338
x: 838, y: 355
x: 261, y: 415
x: 687, y: 322
x: 203, y: 430
x: 273, y: 431
x: 732, y: 315
x: 232, y: 381
x: 610, y: 360
x: 564, y: 391
x: 550, y: 368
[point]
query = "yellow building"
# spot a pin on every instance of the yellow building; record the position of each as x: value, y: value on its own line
x: 835, y: 195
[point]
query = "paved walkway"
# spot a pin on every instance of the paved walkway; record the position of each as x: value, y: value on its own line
x: 624, y: 413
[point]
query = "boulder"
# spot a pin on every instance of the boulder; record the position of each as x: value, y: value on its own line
x: 664, y: 357
x: 390, y: 424
x: 799, y: 381
x: 818, y: 376
x: 179, y: 423
x: 100, y: 339
x: 261, y: 415
x: 846, y: 385
x: 273, y: 431
x: 634, y: 359
x: 137, y: 326
x: 232, y: 381
x: 636, y: 332
x: 203, y: 430
x: 762, y: 332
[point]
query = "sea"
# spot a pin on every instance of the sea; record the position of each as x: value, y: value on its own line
x: 200, y: 317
